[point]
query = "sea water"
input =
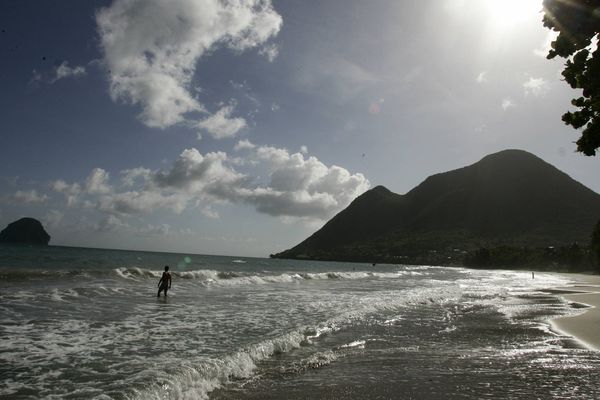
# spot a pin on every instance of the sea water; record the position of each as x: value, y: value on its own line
x: 86, y: 323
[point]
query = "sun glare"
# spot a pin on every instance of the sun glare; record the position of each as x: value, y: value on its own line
x: 506, y: 13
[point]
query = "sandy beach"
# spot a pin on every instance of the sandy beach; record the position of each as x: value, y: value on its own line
x: 584, y: 326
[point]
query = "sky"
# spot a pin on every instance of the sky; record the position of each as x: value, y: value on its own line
x: 240, y: 127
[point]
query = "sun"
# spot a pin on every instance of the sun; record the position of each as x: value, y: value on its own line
x: 506, y: 13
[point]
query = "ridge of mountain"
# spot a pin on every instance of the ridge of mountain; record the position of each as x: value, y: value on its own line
x: 507, y: 198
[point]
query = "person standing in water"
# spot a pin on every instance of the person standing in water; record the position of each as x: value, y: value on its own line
x: 165, y: 282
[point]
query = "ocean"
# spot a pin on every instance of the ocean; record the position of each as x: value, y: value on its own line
x: 86, y: 324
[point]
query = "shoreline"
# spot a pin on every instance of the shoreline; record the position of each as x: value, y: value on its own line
x: 583, y: 326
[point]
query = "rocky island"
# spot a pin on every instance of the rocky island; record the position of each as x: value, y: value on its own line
x: 25, y: 231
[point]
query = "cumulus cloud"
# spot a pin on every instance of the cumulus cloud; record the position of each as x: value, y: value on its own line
x: 151, y: 48
x: 97, y: 181
x: 220, y: 125
x: 243, y: 144
x: 536, y: 86
x: 195, y: 171
x: 70, y: 191
x: 142, y: 201
x: 296, y: 185
x: 30, y: 197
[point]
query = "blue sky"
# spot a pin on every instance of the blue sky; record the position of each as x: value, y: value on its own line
x: 240, y: 127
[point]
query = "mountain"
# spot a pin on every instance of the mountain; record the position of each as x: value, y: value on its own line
x: 25, y: 231
x: 508, y: 198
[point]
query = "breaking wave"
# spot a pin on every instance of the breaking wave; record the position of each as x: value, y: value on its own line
x: 204, y: 276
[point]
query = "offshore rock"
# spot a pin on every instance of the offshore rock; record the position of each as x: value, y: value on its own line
x: 25, y: 231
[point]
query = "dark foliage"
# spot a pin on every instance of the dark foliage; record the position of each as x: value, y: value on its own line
x: 595, y: 245
x: 578, y: 25
x: 572, y: 258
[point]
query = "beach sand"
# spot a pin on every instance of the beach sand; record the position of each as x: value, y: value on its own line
x: 585, y: 326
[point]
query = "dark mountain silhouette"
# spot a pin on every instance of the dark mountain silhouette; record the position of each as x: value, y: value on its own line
x: 25, y: 231
x: 507, y: 198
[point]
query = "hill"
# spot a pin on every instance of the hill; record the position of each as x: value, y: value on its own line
x: 510, y: 198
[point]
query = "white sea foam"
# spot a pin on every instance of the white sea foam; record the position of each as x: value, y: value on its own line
x: 317, y: 360
x: 234, y: 278
x: 355, y: 344
x: 136, y: 273
x: 314, y: 333
x: 392, y: 321
x: 196, y: 381
x: 504, y: 290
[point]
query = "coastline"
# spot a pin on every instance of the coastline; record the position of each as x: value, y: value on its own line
x: 584, y: 326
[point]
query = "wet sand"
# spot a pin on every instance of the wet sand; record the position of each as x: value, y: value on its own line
x: 585, y: 326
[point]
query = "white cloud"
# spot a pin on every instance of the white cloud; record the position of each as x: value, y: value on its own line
x: 508, y: 103
x: 35, y: 77
x: 97, y: 182
x: 151, y: 48
x: 155, y: 230
x: 482, y: 77
x: 194, y: 171
x: 536, y: 86
x: 64, y: 71
x: 63, y: 187
x: 297, y: 186
x: 129, y: 176
x: 70, y: 191
x: 243, y: 144
x: 142, y: 201
x: 30, y: 197
x: 209, y: 212
x: 220, y: 125
x: 61, y: 72
x: 270, y: 51
x: 301, y: 187
x: 110, y: 223
x: 303, y: 149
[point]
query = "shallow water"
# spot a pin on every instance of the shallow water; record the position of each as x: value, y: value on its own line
x: 84, y: 323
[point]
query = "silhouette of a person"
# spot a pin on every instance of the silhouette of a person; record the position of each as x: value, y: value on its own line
x: 165, y: 282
